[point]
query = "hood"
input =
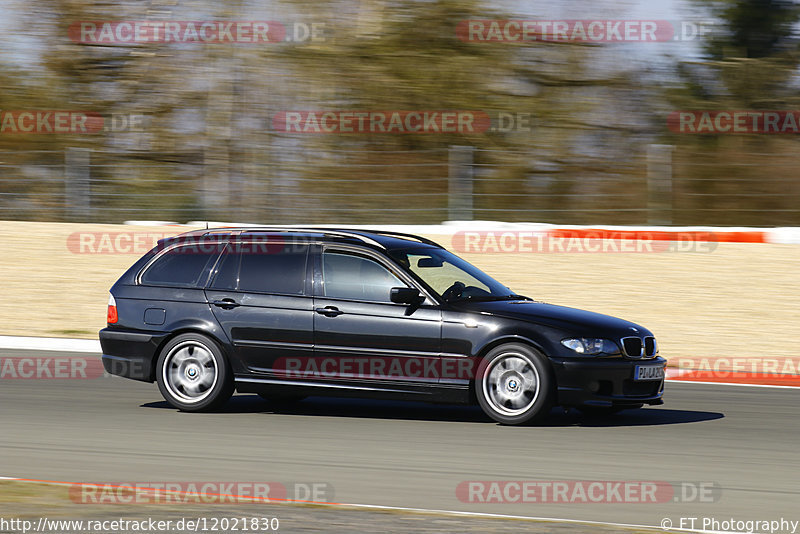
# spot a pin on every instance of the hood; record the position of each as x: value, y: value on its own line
x: 578, y: 322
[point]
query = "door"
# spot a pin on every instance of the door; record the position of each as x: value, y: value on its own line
x: 261, y: 296
x: 360, y: 335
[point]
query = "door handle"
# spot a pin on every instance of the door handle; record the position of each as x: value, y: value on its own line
x: 226, y: 303
x: 329, y: 311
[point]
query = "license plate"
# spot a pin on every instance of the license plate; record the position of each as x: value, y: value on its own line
x: 643, y: 372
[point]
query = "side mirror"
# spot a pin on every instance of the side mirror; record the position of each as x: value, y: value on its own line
x: 405, y: 295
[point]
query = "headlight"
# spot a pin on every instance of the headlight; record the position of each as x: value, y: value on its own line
x: 589, y: 346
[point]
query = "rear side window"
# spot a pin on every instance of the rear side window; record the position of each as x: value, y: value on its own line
x: 185, y: 266
x: 227, y: 276
x: 263, y: 270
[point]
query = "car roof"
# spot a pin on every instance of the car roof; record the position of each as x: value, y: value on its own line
x: 380, y: 239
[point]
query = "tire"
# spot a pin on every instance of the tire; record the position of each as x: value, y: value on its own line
x: 515, y: 384
x: 193, y: 375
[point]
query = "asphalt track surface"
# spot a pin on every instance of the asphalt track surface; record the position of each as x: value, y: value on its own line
x: 743, y: 439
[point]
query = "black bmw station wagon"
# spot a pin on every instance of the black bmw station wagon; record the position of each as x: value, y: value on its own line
x: 291, y: 312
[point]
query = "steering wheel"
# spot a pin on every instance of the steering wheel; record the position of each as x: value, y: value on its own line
x: 454, y: 291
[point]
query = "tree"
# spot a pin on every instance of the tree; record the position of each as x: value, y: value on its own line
x: 749, y: 63
x: 406, y: 56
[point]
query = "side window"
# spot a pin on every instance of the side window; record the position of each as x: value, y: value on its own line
x: 227, y: 276
x: 180, y: 267
x: 347, y: 276
x: 263, y: 270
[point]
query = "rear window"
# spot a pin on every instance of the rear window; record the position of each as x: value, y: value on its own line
x: 185, y: 266
x: 261, y: 269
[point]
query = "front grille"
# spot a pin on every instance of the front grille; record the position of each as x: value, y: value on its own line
x: 650, y: 346
x: 632, y: 347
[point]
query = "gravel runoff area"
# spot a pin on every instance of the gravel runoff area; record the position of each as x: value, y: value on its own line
x: 31, y: 502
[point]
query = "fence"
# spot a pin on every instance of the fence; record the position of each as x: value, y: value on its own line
x: 663, y: 186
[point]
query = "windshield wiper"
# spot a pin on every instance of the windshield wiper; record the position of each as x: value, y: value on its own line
x: 485, y: 298
x: 514, y: 296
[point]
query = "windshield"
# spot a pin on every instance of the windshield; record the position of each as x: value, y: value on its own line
x: 450, y: 276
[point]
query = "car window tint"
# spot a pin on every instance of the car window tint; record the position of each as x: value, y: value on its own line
x: 273, y: 271
x: 347, y: 276
x: 180, y: 267
x: 227, y: 276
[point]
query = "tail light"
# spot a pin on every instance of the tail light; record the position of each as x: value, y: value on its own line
x: 111, y: 316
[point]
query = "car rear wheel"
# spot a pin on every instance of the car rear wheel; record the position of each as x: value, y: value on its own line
x: 514, y: 384
x: 192, y: 373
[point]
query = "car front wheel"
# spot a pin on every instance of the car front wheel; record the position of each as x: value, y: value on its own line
x: 192, y: 373
x: 514, y: 384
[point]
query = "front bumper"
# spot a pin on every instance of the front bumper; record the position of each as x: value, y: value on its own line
x: 606, y: 382
x: 130, y: 354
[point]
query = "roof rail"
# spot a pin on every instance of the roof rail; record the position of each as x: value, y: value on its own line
x: 401, y: 234
x: 324, y: 231
x: 355, y: 233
